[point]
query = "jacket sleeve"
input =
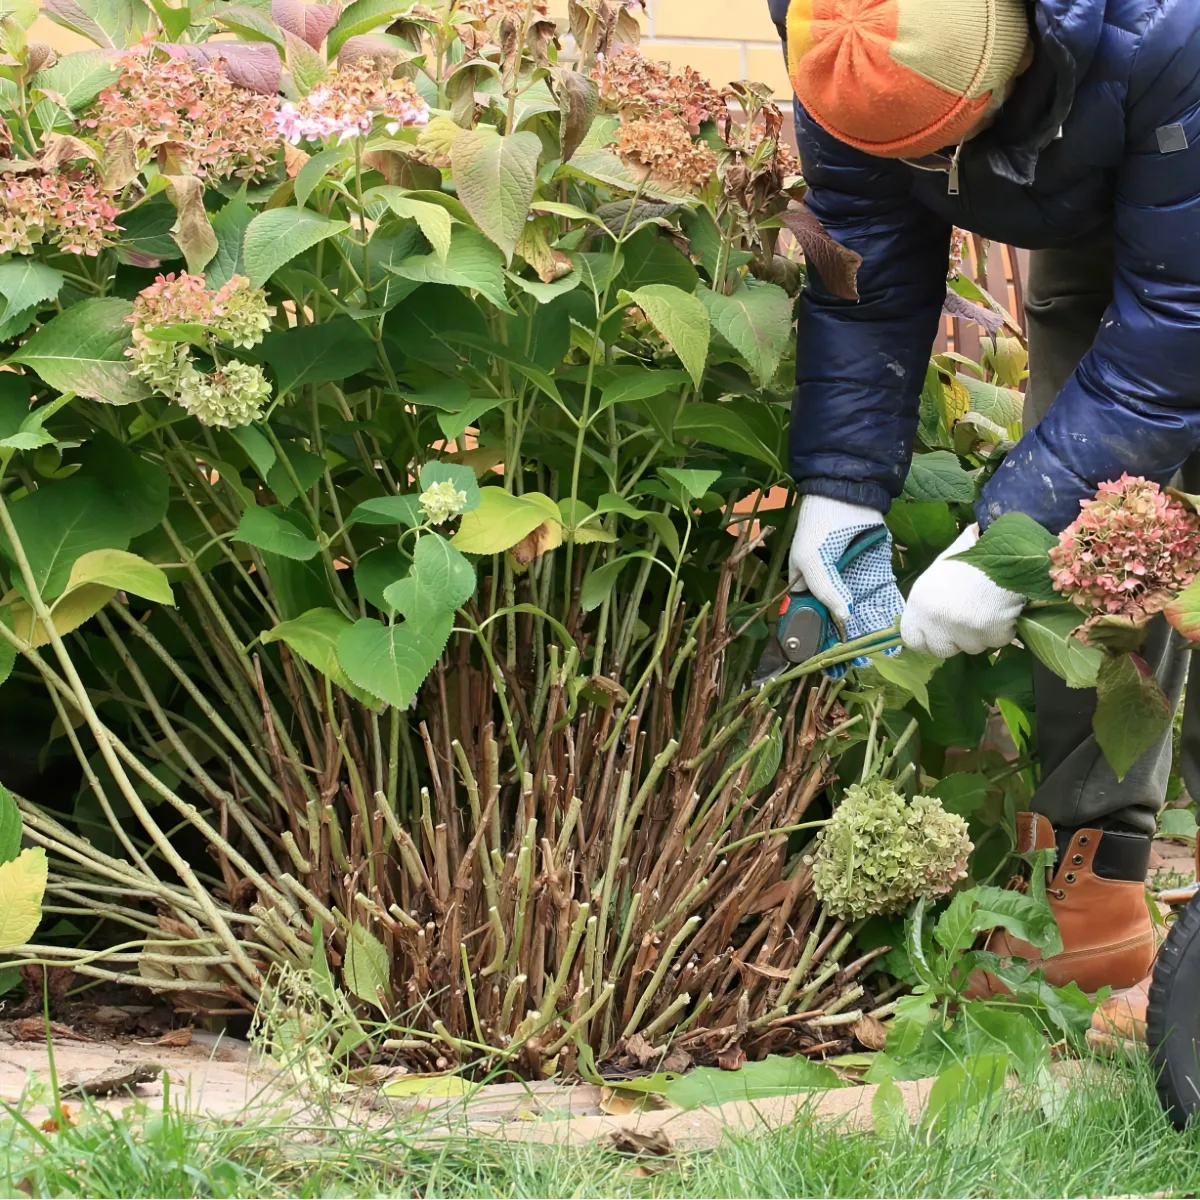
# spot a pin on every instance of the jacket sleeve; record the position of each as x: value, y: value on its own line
x: 860, y: 365
x: 1133, y: 403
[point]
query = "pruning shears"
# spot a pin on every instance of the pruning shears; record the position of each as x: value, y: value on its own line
x: 805, y: 627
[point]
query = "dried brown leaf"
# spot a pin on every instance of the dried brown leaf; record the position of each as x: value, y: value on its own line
x: 116, y: 1079
x: 176, y: 1037
x: 33, y: 1029
x: 871, y: 1032
x: 61, y: 149
x: 837, y: 265
x: 547, y: 536
x: 656, y: 1143
x: 732, y: 1058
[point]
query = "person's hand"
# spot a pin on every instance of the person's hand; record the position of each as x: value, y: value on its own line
x: 955, y: 608
x: 862, y: 599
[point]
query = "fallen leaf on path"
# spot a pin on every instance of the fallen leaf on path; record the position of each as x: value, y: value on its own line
x: 175, y: 1037
x: 117, y: 1079
x: 627, y: 1141
x: 33, y: 1029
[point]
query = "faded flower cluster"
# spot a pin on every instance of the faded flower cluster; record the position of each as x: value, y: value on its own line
x: 191, y: 112
x: 1130, y: 551
x: 236, y: 314
x: 636, y: 86
x: 66, y: 207
x: 664, y: 149
x: 442, y: 501
x: 880, y: 852
x: 348, y: 106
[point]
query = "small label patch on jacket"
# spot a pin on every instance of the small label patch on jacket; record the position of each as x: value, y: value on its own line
x: 1171, y: 138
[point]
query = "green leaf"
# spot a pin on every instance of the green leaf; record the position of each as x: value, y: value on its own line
x: 82, y: 350
x: 1014, y: 552
x: 388, y: 510
x: 1132, y: 711
x: 694, y: 483
x: 123, y: 571
x: 719, y: 425
x: 433, y: 220
x: 59, y: 523
x: 500, y: 522
x: 599, y: 583
x: 1047, y: 632
x: 1024, y: 916
x: 78, y: 78
x: 453, y: 425
x: 307, y: 468
x: 650, y: 256
x: 682, y: 321
x: 667, y: 533
x: 257, y: 449
x: 10, y: 826
x: 365, y: 971
x: 275, y: 237
x: 939, y: 475
x: 1178, y: 823
x: 314, y: 637
x: 963, y: 1088
x: 889, y: 1114
x: 773, y: 1076
x: 26, y: 283
x: 639, y: 385
x: 473, y: 262
x: 317, y: 167
x: 322, y: 353
x: 376, y: 572
x: 497, y: 350
x: 544, y: 293
x: 756, y: 321
x: 22, y: 886
x: 962, y: 793
x: 363, y: 16
x: 392, y: 661
x: 495, y: 178
x: 442, y: 580
x: 914, y: 1015
x: 319, y: 972
x: 268, y: 530
x: 229, y: 225
x: 909, y: 670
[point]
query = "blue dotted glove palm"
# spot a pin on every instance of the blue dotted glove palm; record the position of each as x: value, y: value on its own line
x: 862, y: 598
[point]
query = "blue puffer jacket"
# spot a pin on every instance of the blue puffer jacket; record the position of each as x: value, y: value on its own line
x: 1090, y: 137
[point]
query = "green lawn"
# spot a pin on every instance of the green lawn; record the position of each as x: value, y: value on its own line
x: 1106, y: 1141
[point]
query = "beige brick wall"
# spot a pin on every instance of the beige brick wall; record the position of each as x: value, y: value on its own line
x: 725, y: 40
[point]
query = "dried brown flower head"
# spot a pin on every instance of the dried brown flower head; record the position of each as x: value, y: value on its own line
x: 636, y: 86
x: 664, y: 149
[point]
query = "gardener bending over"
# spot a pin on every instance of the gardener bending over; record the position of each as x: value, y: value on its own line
x: 1071, y: 127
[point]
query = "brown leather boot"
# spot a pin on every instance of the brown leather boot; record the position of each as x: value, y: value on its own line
x: 1097, y: 893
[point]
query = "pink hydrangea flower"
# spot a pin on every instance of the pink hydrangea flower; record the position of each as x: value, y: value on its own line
x: 1130, y: 551
x: 346, y: 107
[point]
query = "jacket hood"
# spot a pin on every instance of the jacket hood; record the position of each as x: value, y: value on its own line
x: 1066, y: 34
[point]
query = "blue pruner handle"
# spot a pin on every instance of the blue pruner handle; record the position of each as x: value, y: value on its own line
x: 805, y: 627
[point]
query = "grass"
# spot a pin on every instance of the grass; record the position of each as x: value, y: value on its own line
x: 1105, y: 1141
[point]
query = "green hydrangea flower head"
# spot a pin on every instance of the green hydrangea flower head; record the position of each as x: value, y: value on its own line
x: 441, y: 501
x: 880, y: 852
x: 230, y: 397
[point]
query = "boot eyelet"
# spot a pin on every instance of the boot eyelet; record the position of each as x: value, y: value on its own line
x: 1084, y: 839
x: 1077, y: 859
x: 1058, y: 893
x: 1070, y: 877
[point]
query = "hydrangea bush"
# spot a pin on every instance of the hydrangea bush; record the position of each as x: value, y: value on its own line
x: 394, y: 396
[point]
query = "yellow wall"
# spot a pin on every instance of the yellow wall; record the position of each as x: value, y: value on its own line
x: 725, y: 40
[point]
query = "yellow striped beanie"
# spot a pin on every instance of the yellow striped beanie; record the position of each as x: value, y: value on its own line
x: 902, y: 78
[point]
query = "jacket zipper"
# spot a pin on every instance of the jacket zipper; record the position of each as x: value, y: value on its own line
x: 952, y: 176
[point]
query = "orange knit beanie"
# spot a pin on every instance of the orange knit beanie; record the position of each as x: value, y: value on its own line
x: 903, y: 78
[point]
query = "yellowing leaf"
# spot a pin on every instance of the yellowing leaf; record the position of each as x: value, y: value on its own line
x: 22, y: 886
x: 69, y: 613
x: 956, y: 400
x: 429, y: 1085
x: 365, y: 970
x: 121, y: 570
x: 502, y: 520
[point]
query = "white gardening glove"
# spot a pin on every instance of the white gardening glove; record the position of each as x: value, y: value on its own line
x: 864, y: 598
x: 955, y: 608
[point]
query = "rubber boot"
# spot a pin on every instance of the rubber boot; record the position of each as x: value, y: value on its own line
x: 1097, y: 892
